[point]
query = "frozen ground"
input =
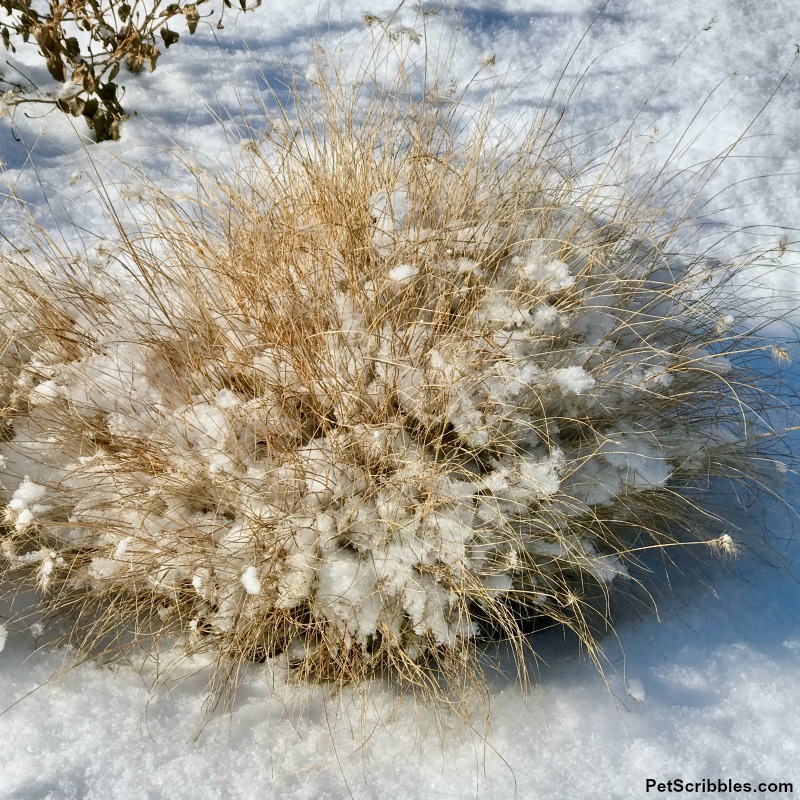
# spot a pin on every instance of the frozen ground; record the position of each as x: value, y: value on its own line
x: 707, y: 692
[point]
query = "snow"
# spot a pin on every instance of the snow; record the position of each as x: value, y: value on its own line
x: 403, y: 273
x: 250, y: 581
x: 718, y: 700
x: 24, y: 503
x: 27, y: 494
x: 707, y: 690
x: 574, y: 380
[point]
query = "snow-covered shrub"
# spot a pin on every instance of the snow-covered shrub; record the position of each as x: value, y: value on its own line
x: 396, y: 387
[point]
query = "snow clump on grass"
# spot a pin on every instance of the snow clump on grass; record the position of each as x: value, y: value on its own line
x: 394, y: 388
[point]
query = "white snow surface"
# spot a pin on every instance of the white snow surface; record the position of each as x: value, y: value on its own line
x: 706, y: 691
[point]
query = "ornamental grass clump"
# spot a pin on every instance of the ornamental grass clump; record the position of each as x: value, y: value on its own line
x: 400, y: 386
